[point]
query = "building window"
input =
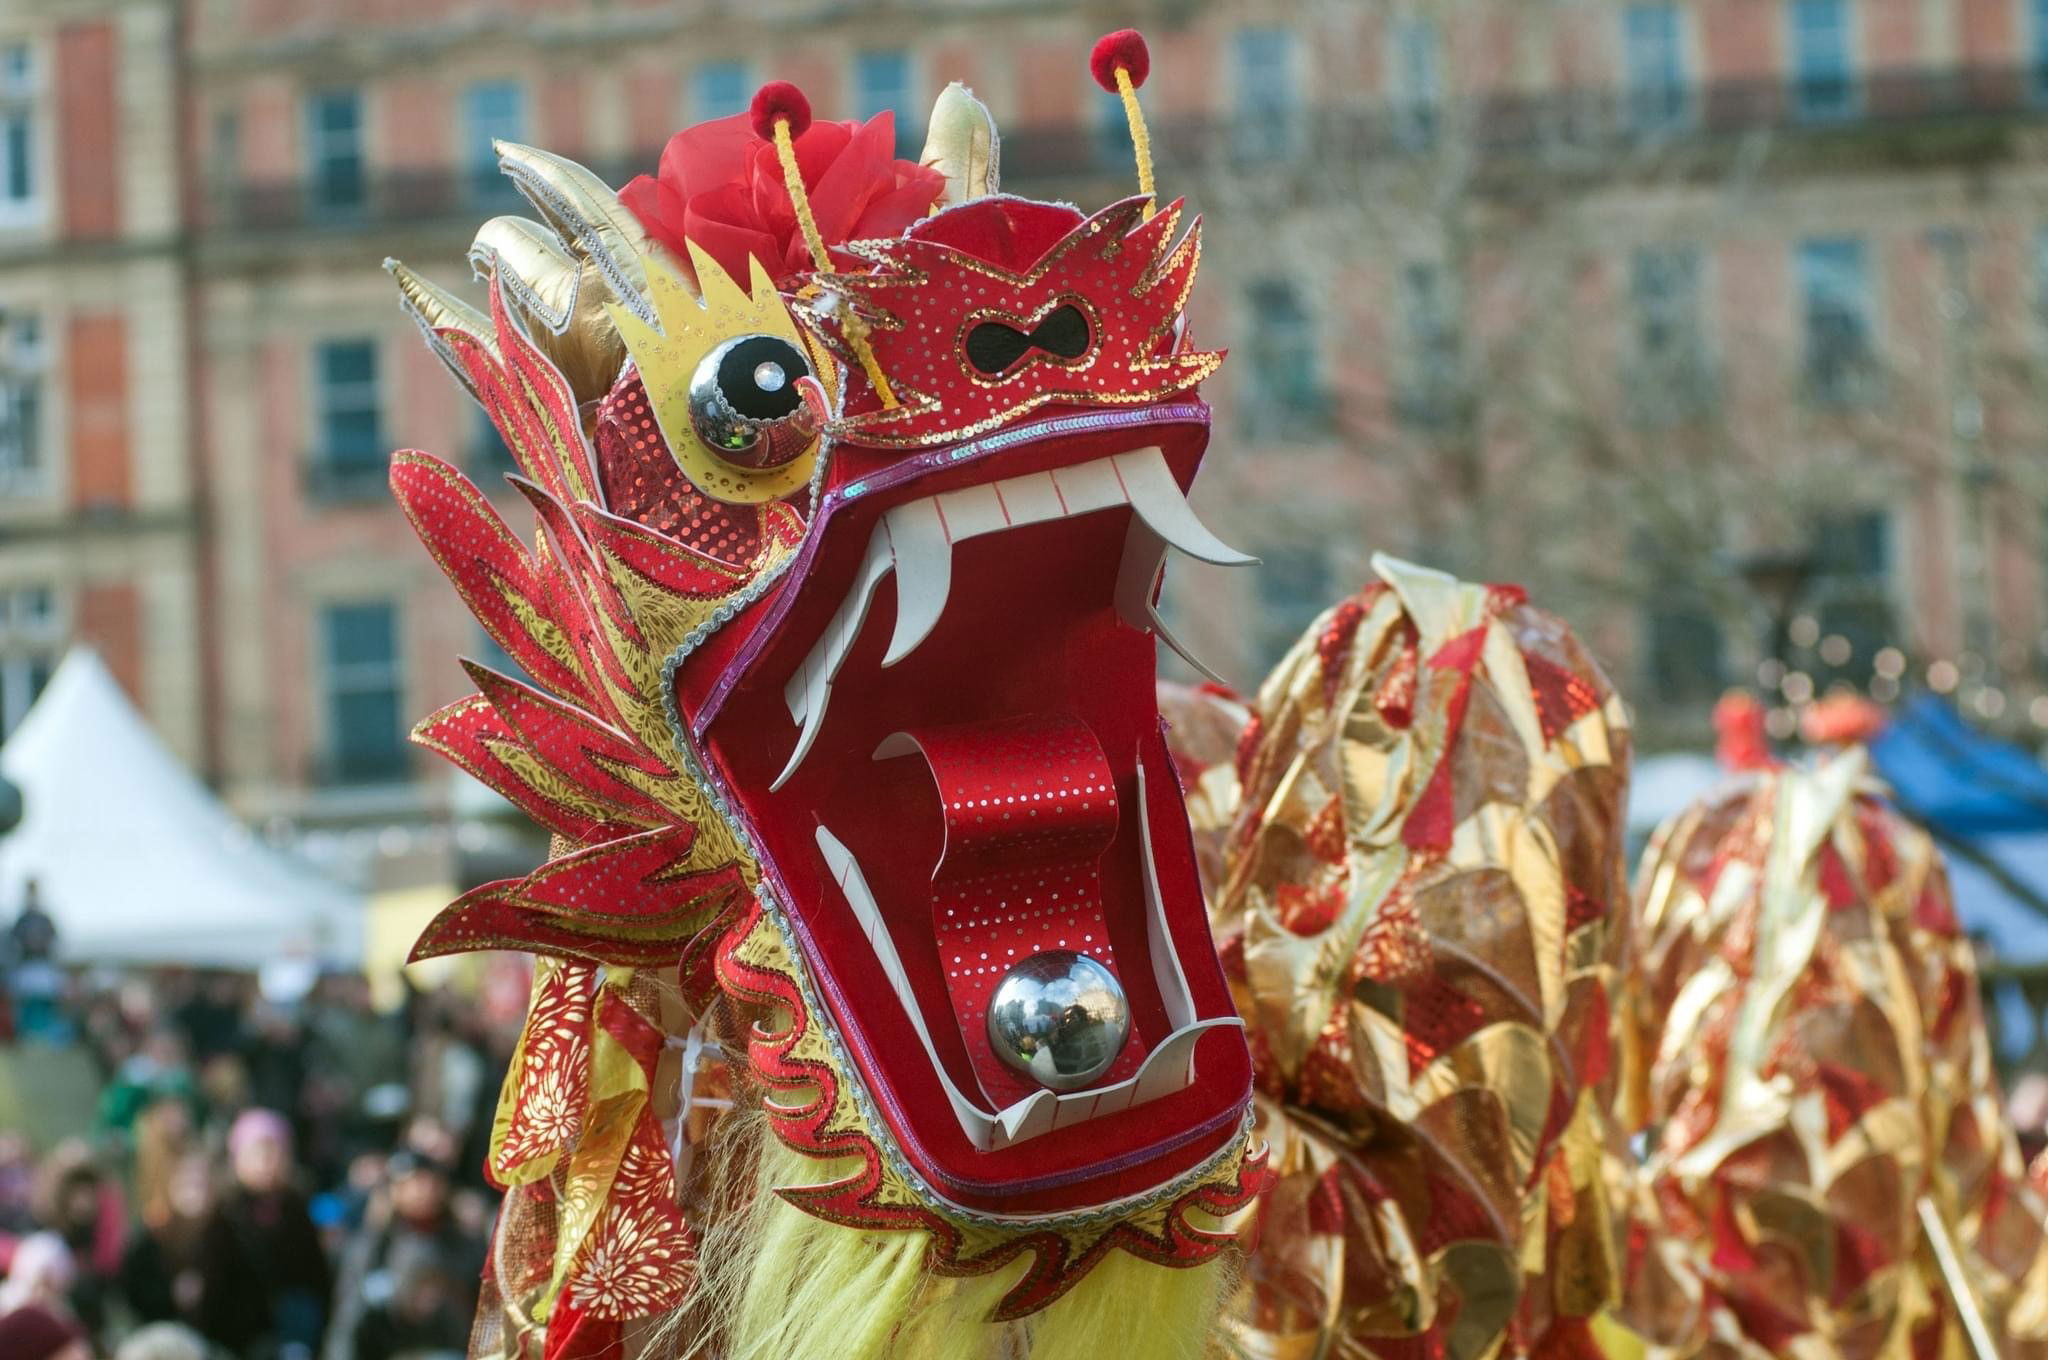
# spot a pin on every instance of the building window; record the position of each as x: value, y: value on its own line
x: 334, y: 150
x: 491, y: 654
x: 1113, y: 147
x: 719, y: 89
x: 2041, y: 282
x: 1672, y: 378
x: 1823, y: 78
x: 22, y: 472
x: 1850, y: 593
x: 490, y: 457
x: 2041, y: 578
x: 881, y: 82
x: 20, y: 175
x: 31, y: 640
x: 1285, y: 397
x: 1294, y: 585
x: 349, y: 459
x: 227, y: 144
x: 492, y: 111
x: 1664, y: 287
x: 1834, y: 285
x: 365, y: 698
x: 1269, y: 123
x: 2039, y: 47
x: 1415, y: 77
x: 1653, y: 41
x: 1683, y: 660
x: 1429, y: 312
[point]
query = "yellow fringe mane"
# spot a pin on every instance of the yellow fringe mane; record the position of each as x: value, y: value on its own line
x: 779, y: 1284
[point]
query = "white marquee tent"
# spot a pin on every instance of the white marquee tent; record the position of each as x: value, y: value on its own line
x: 135, y: 858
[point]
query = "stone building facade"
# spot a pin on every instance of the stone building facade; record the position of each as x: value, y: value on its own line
x: 1656, y: 305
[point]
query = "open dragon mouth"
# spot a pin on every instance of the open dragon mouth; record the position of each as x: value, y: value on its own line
x: 961, y: 779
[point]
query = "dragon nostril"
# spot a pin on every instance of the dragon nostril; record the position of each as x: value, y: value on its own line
x: 1064, y: 333
x: 995, y: 347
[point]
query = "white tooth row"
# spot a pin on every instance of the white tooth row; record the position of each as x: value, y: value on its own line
x: 1167, y: 1069
x: 915, y: 541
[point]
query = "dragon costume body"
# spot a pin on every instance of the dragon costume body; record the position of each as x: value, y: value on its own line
x: 915, y: 976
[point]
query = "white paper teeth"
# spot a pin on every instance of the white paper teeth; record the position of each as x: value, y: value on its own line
x: 915, y: 542
x: 924, y: 574
x: 846, y: 871
x: 1167, y: 1069
x: 1137, y: 584
x: 809, y: 691
x: 1159, y: 501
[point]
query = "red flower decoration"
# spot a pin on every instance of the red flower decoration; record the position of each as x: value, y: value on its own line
x: 721, y: 187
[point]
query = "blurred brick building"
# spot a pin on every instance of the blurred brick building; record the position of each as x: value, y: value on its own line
x: 1766, y: 273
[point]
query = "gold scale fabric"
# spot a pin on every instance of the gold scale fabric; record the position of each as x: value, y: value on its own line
x: 1812, y: 1063
x: 1795, y: 1038
x: 1417, y: 843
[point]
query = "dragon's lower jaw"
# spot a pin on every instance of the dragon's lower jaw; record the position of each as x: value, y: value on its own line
x: 977, y: 776
x: 1165, y: 1070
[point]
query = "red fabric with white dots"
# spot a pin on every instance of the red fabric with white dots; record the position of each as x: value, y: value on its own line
x: 1030, y: 807
x: 643, y: 482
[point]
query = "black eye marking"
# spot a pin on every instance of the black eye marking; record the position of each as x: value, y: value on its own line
x: 757, y: 377
x: 994, y: 347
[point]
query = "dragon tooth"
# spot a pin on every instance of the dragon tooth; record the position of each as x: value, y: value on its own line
x: 1026, y: 1118
x: 1031, y: 499
x: 923, y: 555
x: 1166, y: 969
x: 1137, y: 583
x: 971, y: 511
x: 809, y: 690
x: 1089, y: 486
x: 812, y: 707
x: 1158, y: 500
x: 854, y: 885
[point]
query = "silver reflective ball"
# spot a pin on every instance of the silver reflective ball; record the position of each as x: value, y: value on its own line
x: 1060, y: 1018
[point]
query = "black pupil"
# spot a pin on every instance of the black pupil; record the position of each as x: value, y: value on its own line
x: 993, y: 347
x: 744, y: 394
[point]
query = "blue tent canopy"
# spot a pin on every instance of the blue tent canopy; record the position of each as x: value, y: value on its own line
x: 1987, y: 802
x: 1957, y: 780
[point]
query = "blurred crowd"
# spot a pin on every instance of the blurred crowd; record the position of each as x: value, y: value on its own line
x: 288, y: 1177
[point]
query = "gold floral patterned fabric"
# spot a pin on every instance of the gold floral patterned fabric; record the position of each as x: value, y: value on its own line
x: 1418, y: 903
x: 597, y: 1122
x: 1828, y: 1172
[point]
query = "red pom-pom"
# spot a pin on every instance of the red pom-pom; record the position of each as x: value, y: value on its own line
x: 1125, y: 48
x: 776, y: 101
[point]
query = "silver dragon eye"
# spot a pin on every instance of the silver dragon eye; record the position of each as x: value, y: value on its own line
x: 1060, y: 1018
x: 746, y: 405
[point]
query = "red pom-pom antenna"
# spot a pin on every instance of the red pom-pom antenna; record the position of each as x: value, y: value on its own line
x: 779, y: 101
x: 1124, y: 48
x: 1120, y: 63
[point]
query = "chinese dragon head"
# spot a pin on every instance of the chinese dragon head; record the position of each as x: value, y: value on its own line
x: 877, y: 999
